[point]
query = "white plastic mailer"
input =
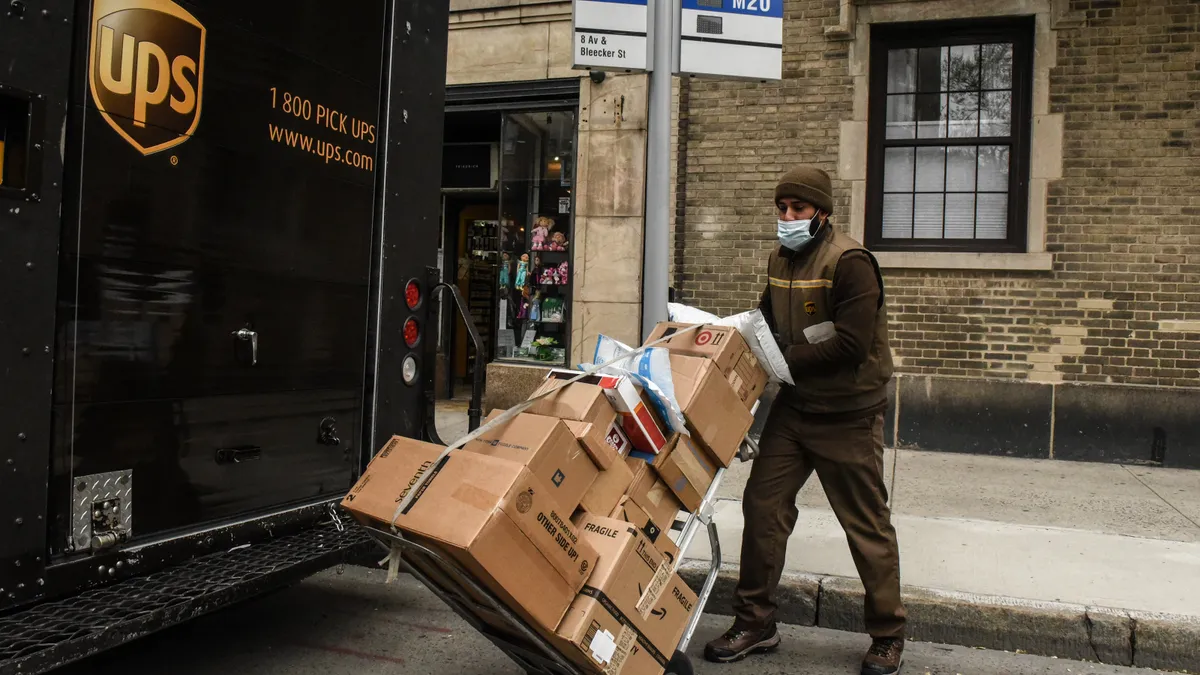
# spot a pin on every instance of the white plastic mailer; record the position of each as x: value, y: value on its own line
x: 649, y: 367
x: 753, y: 327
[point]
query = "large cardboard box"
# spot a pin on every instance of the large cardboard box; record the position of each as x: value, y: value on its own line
x: 585, y: 403
x: 724, y: 346
x: 606, y: 493
x: 710, y: 406
x: 491, y: 515
x: 549, y: 448
x: 642, y: 424
x: 633, y: 598
x: 686, y: 469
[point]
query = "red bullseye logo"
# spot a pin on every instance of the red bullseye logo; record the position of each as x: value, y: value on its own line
x: 704, y: 338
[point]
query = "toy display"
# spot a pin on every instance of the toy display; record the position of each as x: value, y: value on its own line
x: 505, y: 270
x: 522, y: 271
x: 553, y: 311
x: 563, y: 272
x: 558, y: 242
x: 535, y: 307
x: 541, y: 230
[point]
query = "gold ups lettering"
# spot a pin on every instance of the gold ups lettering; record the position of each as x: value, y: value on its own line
x: 146, y: 71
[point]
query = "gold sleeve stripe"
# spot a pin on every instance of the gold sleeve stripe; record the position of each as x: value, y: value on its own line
x: 801, y: 283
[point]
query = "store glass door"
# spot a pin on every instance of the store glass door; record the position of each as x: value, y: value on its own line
x: 536, y: 219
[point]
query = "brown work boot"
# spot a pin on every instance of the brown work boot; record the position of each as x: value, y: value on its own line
x: 885, y: 657
x: 738, y: 643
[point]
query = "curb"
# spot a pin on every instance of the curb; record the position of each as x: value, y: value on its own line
x: 1078, y: 632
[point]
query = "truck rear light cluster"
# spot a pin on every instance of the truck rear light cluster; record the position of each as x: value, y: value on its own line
x: 412, y: 332
x: 412, y: 295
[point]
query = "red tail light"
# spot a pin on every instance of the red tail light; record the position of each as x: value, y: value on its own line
x: 412, y: 294
x: 412, y: 333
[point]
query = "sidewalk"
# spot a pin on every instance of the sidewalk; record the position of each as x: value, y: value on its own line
x: 1077, y: 560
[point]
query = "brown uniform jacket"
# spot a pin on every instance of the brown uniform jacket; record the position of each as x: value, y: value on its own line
x: 826, y: 304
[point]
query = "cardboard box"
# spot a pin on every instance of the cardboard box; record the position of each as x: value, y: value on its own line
x: 724, y: 346
x: 642, y: 424
x: 687, y: 470
x: 710, y: 406
x: 491, y: 515
x: 606, y: 493
x: 652, y: 494
x: 633, y: 598
x: 587, y: 403
x: 549, y: 448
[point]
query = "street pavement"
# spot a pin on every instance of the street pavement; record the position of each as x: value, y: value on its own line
x: 354, y: 624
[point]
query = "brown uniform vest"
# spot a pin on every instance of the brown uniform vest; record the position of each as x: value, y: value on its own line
x: 801, y: 292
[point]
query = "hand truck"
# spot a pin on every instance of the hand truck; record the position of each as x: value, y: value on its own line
x: 472, y: 601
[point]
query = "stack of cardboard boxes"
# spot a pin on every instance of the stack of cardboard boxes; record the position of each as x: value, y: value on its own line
x: 565, y: 510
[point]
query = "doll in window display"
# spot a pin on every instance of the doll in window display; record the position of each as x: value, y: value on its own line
x: 505, y: 270
x: 541, y: 230
x: 522, y: 272
x: 558, y: 242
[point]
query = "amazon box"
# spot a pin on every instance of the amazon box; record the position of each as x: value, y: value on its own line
x: 579, y: 402
x: 710, y: 406
x: 491, y: 515
x: 633, y: 599
x: 725, y: 347
x: 642, y: 424
x: 549, y: 448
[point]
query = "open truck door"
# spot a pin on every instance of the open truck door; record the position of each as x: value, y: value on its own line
x: 215, y: 225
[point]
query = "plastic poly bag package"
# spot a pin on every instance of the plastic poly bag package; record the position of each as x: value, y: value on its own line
x: 651, y: 368
x: 753, y: 327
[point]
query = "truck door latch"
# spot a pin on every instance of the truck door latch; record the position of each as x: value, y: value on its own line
x: 327, y: 434
x: 244, y: 336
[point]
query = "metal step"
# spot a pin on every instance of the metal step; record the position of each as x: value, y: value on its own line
x: 53, y: 634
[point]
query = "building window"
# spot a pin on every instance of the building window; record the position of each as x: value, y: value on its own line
x: 950, y: 115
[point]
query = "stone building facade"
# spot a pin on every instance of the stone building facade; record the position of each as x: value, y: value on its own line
x: 1067, y: 323
x: 1041, y: 255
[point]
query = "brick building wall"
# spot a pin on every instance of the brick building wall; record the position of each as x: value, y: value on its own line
x: 1118, y: 302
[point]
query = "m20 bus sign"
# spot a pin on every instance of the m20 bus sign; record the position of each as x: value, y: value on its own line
x: 146, y: 71
x: 612, y: 35
x: 736, y: 39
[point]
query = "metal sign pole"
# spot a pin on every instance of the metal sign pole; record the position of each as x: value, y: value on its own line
x: 656, y: 256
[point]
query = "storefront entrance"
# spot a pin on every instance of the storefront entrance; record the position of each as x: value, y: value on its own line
x: 508, y: 220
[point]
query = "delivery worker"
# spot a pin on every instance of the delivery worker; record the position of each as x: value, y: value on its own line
x: 824, y: 301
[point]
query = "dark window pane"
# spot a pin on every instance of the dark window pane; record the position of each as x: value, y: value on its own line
x: 964, y: 68
x: 928, y: 216
x: 993, y: 168
x: 960, y: 216
x: 901, y: 116
x: 931, y: 169
x: 931, y: 64
x: 931, y: 115
x: 992, y: 215
x: 960, y: 170
x: 898, y: 170
x: 897, y: 216
x: 996, y: 114
x: 902, y: 71
x: 997, y: 66
x: 964, y: 115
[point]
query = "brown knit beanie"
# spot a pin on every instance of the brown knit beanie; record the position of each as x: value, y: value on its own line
x: 807, y: 183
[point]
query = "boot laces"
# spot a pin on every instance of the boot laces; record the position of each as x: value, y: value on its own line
x: 883, y: 647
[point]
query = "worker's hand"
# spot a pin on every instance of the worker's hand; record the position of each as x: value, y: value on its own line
x: 783, y: 345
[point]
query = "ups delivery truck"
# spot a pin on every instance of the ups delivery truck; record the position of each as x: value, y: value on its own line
x: 217, y: 221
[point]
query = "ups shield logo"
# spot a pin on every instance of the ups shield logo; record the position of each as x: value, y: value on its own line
x: 146, y: 71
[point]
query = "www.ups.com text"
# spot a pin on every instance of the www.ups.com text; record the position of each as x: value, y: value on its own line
x: 323, y: 149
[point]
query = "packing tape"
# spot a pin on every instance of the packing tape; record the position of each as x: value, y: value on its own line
x: 511, y: 413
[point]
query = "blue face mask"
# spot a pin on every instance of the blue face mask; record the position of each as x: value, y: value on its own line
x: 796, y: 234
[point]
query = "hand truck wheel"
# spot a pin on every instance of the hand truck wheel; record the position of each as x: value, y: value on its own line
x: 680, y: 665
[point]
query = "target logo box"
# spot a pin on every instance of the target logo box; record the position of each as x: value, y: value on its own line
x: 725, y: 347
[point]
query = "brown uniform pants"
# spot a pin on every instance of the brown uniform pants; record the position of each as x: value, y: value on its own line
x: 848, y: 458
